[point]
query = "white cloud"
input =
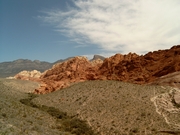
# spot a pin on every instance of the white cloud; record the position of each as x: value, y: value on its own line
x: 121, y: 25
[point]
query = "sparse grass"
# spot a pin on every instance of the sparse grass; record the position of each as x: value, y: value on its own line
x: 100, y: 102
x: 68, y: 123
x: 107, y: 107
x: 76, y: 126
x: 19, y: 119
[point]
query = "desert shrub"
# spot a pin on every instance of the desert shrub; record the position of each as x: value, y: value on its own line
x: 27, y: 101
x: 69, y: 124
x: 31, y: 95
x: 143, y: 114
x: 175, y: 104
x: 4, y: 115
x: 134, y: 130
x: 77, y: 126
x: 56, y: 113
x: 153, y: 129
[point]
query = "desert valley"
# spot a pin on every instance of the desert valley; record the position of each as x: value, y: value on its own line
x: 120, y: 95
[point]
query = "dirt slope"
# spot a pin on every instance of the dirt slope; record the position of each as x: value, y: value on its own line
x: 172, y: 79
x: 18, y: 116
x: 108, y: 107
x: 117, y: 108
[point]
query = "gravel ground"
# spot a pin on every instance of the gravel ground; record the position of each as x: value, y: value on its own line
x: 107, y: 107
x: 112, y: 107
x: 19, y: 119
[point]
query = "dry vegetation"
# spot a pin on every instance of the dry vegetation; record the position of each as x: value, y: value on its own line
x: 107, y: 107
x: 111, y: 107
x: 19, y: 119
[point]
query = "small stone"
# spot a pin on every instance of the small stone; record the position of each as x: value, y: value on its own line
x: 177, y: 97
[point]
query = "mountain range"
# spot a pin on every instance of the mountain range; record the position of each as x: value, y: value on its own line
x: 11, y: 68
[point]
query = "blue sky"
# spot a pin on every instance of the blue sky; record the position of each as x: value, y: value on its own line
x: 49, y: 30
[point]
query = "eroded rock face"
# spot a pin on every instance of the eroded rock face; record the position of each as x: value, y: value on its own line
x: 167, y: 104
x: 130, y: 68
x: 63, y: 74
x: 118, y: 67
x: 141, y: 69
x: 28, y: 75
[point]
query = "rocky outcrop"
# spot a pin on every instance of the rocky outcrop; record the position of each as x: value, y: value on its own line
x: 141, y: 69
x: 77, y: 69
x: 119, y: 67
x: 167, y: 104
x: 28, y: 75
x: 95, y: 57
x: 130, y: 68
x: 96, y: 62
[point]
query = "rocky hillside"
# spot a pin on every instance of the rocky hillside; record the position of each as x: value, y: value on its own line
x: 129, y: 68
x: 141, y: 69
x: 118, y: 108
x: 102, y: 107
x: 61, y: 75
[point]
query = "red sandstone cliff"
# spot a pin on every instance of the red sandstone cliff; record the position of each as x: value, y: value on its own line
x: 130, y: 68
x: 63, y: 74
x: 141, y: 69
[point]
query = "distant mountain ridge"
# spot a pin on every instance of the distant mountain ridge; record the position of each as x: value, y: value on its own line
x: 11, y: 68
x: 97, y: 57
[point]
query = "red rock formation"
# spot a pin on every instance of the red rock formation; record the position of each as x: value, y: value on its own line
x: 63, y: 74
x: 130, y: 68
x: 141, y: 69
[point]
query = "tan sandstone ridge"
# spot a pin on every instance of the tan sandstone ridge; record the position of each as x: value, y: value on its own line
x: 28, y: 75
